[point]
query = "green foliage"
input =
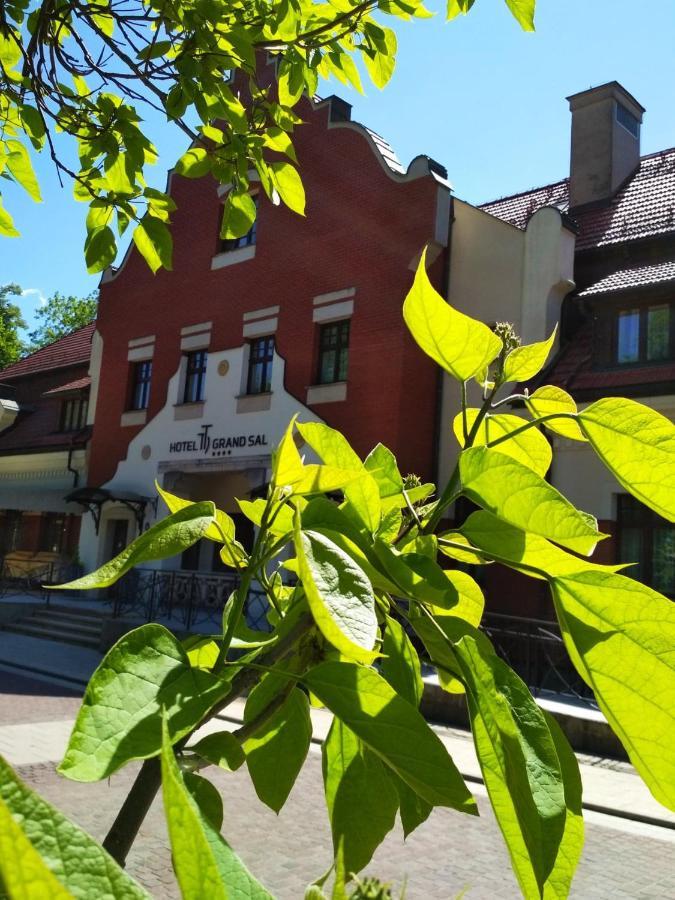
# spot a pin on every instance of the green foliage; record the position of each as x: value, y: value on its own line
x: 11, y: 320
x: 91, y: 72
x: 42, y: 854
x: 370, y: 605
x: 60, y: 316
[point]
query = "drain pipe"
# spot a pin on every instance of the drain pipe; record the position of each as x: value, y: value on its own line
x: 69, y: 467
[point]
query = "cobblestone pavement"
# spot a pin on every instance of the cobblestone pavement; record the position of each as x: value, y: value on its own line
x: 448, y: 854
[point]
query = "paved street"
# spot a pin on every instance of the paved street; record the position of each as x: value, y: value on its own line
x: 446, y: 855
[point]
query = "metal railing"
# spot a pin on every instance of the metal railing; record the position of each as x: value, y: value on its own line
x: 534, y: 648
x: 21, y: 577
x: 192, y: 600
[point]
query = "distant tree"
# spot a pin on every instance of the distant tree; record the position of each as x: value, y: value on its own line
x: 11, y: 321
x: 60, y: 316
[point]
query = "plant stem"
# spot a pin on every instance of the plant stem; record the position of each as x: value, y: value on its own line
x: 124, y: 829
x: 528, y: 425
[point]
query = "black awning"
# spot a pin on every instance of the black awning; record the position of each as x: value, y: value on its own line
x: 93, y: 499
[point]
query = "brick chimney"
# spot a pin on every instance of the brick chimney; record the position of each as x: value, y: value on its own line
x: 605, y: 142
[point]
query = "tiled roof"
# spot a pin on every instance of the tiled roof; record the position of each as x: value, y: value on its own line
x: 77, y: 385
x: 643, y: 207
x: 632, y: 277
x: 71, y: 350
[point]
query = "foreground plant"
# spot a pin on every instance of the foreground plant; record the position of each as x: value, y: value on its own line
x: 358, y: 601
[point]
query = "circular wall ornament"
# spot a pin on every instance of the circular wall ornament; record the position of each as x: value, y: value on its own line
x: 146, y: 452
x: 223, y: 367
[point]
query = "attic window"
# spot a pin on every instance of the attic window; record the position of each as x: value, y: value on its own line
x: 628, y: 120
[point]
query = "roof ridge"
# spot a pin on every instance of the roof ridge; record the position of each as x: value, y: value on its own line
x: 26, y: 365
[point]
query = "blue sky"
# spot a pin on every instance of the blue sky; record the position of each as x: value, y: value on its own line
x: 477, y: 94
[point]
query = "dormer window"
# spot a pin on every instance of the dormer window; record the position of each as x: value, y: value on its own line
x: 74, y: 413
x: 644, y: 335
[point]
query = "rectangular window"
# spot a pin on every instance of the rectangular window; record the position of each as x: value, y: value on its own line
x: 74, y: 414
x: 644, y: 335
x: 648, y: 540
x: 628, y: 120
x: 247, y: 239
x: 261, y: 356
x: 11, y: 531
x: 140, y: 384
x: 333, y: 352
x: 52, y: 532
x: 195, y: 377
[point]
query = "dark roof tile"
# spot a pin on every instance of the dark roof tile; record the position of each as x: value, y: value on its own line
x: 71, y: 350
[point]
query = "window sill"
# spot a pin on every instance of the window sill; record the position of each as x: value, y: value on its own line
x: 327, y: 393
x: 182, y: 411
x: 248, y: 403
x: 133, y: 417
x: 231, y: 257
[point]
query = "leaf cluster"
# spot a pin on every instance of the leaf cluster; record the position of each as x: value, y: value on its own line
x: 353, y: 560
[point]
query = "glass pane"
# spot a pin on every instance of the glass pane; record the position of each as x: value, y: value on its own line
x: 255, y: 379
x: 327, y: 373
x: 658, y: 332
x: 628, y: 344
x: 632, y: 551
x: 663, y: 562
x: 342, y: 367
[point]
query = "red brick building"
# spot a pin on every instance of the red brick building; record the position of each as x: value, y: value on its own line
x: 43, y: 444
x: 197, y: 371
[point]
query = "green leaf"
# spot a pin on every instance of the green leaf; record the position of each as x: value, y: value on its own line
x: 637, y: 444
x: 7, y: 223
x: 620, y: 635
x: 289, y: 186
x: 100, y: 249
x: 529, y: 447
x: 381, y: 64
x: 204, y: 863
x: 168, y: 537
x: 549, y: 400
x: 523, y: 12
x: 222, y: 749
x: 202, y: 651
x: 154, y: 242
x: 382, y: 465
x: 393, y: 729
x: 223, y: 527
x: 362, y: 492
x: 206, y: 797
x: 239, y: 212
x: 517, y: 756
x: 528, y: 553
x: 276, y: 752
x: 458, y: 7
x: 339, y: 594
x: 459, y: 344
x: 525, y: 362
x: 277, y: 139
x: 120, y: 716
x: 417, y: 576
x: 20, y: 165
x: 519, y: 496
x: 43, y: 854
x: 194, y: 163
x: 400, y: 663
x: 360, y: 798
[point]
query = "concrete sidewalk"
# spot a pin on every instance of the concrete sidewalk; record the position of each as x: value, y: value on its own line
x: 610, y: 786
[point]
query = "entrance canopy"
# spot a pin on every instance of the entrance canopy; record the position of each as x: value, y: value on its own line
x: 93, y: 499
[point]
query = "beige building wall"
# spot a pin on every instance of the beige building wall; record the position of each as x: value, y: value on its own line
x: 500, y: 273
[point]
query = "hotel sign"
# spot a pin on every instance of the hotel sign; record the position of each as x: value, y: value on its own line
x: 223, y: 445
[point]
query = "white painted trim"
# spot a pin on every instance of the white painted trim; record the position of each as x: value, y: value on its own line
x: 141, y: 341
x: 231, y: 257
x: 333, y: 296
x: 139, y: 353
x: 261, y: 327
x: 134, y: 417
x: 196, y: 341
x: 326, y: 393
x: 261, y: 313
x: 182, y: 411
x: 194, y: 329
x: 334, y: 312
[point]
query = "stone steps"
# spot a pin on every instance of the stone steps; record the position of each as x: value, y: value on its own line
x: 81, y: 627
